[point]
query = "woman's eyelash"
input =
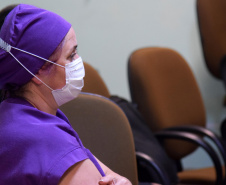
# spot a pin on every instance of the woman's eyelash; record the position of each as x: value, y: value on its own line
x: 72, y: 55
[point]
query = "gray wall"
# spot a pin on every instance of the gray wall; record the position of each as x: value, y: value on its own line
x: 108, y: 31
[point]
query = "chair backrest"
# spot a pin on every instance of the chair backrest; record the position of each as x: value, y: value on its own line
x: 105, y: 130
x: 166, y: 93
x: 93, y: 83
x: 212, y: 26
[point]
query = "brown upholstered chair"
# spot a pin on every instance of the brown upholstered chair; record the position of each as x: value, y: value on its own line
x: 155, y: 171
x: 105, y: 130
x: 212, y: 26
x: 93, y: 82
x: 167, y: 95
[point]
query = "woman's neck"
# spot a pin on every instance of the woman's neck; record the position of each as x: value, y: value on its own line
x: 42, y: 100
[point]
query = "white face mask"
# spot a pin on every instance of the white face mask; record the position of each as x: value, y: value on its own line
x: 75, y: 73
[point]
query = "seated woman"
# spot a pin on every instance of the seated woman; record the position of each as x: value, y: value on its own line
x: 41, y: 70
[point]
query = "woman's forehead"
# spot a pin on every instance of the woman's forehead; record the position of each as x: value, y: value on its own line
x: 70, y: 41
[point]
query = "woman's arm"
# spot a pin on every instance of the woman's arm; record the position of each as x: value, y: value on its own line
x: 84, y: 173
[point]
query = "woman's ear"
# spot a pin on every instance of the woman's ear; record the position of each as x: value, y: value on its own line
x: 36, y: 78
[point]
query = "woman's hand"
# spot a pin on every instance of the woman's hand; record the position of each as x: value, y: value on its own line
x: 114, y: 180
x: 111, y: 177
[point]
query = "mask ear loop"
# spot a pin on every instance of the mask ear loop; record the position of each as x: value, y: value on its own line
x: 36, y: 56
x: 8, y: 47
x: 29, y: 71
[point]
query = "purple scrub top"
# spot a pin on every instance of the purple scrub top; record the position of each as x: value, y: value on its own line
x: 37, y: 147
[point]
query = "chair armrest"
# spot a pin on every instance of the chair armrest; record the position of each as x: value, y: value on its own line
x: 169, y: 134
x: 147, y: 159
x: 207, y: 133
x: 203, y: 132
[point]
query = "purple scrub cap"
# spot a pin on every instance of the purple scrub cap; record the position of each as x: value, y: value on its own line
x: 34, y: 30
